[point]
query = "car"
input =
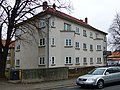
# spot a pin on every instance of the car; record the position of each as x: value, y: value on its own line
x: 100, y: 76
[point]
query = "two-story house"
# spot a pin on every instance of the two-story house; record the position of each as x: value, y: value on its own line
x: 60, y: 41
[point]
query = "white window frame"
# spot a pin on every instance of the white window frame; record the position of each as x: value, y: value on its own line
x: 85, y: 61
x: 91, y: 34
x: 42, y: 24
x: 68, y: 42
x: 91, y: 47
x: 98, y: 47
x: 91, y: 60
x: 99, y: 60
x: 69, y: 60
x: 85, y: 33
x: 77, y: 45
x: 52, y: 41
x: 77, y: 30
x: 17, y: 62
x: 67, y: 27
x: 84, y: 46
x: 77, y: 60
x: 42, y: 42
x: 53, y: 61
x: 41, y: 60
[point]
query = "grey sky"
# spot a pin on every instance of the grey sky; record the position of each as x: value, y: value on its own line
x: 100, y: 13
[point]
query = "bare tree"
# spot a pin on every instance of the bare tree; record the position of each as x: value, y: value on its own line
x: 11, y: 13
x: 114, y: 34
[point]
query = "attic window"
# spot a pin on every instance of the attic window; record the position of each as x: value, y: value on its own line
x: 67, y: 27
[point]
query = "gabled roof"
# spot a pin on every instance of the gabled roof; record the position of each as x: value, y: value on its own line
x: 114, y: 56
x: 62, y: 15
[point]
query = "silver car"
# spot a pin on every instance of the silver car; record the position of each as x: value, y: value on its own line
x: 100, y: 76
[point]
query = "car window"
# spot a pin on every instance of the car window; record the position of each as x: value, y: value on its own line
x: 97, y: 72
x: 113, y: 70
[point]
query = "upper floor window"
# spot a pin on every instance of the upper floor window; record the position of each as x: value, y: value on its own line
x: 84, y: 33
x: 97, y: 35
x: 91, y: 47
x: 68, y: 60
x: 77, y: 45
x: 41, y: 61
x: 67, y: 27
x: 18, y: 48
x: 68, y: 42
x: 42, y: 42
x: 53, y: 41
x: 77, y: 30
x: 99, y: 47
x: 84, y: 46
x: 42, y: 24
x: 91, y: 35
x: 105, y: 39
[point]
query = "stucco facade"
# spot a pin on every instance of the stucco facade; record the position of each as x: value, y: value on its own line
x: 61, y: 41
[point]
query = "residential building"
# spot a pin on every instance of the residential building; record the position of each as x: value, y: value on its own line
x: 61, y: 41
x: 114, y: 58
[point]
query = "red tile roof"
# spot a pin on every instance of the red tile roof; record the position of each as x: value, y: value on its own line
x: 114, y: 56
x: 60, y: 14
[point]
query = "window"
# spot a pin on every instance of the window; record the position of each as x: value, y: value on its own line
x: 105, y: 39
x: 91, y: 47
x: 99, y: 61
x: 99, y: 48
x: 17, y: 63
x: 68, y: 60
x: 77, y: 60
x: 67, y: 27
x: 84, y: 33
x: 91, y: 35
x: 52, y: 60
x: 42, y: 42
x: 68, y: 42
x: 77, y: 45
x: 41, y: 61
x: 42, y: 23
x: 84, y: 61
x: 84, y: 46
x: 52, y: 41
x: 77, y: 30
x: 91, y: 60
x: 97, y: 35
x: 18, y: 48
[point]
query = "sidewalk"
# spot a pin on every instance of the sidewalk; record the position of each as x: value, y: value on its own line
x: 37, y: 86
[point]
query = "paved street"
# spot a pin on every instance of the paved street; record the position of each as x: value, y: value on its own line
x: 51, y: 85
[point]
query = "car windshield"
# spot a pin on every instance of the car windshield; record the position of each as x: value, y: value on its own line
x: 97, y: 72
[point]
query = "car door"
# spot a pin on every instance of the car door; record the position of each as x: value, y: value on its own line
x: 109, y: 76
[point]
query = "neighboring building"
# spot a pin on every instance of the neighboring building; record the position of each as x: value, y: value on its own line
x: 10, y: 57
x: 114, y: 59
x: 70, y: 42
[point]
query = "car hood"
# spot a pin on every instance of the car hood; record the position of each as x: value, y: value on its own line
x: 90, y: 76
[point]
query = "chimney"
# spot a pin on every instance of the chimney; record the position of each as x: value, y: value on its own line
x: 86, y: 20
x: 45, y: 5
x: 54, y: 6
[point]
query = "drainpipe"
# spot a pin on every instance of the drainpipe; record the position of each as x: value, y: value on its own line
x: 47, y: 42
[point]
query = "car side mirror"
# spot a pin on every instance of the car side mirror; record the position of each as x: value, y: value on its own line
x: 107, y: 73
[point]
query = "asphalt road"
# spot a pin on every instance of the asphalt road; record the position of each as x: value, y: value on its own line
x: 107, y: 87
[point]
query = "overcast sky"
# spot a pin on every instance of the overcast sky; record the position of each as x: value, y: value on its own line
x: 100, y: 13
